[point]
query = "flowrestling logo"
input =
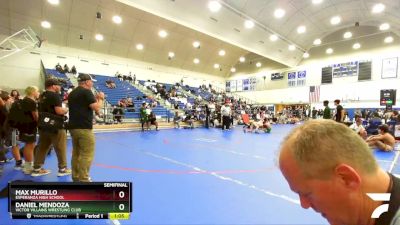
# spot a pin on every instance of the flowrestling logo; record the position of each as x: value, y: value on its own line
x: 382, y: 208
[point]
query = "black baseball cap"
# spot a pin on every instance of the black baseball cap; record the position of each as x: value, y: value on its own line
x: 85, y: 77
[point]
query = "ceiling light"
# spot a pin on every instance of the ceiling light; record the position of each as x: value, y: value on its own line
x: 329, y: 51
x: 139, y: 47
x: 347, y: 35
x: 46, y: 24
x: 171, y: 54
x: 273, y: 37
x: 301, y: 29
x: 279, y: 13
x: 317, y: 41
x: 315, y: 2
x: 248, y: 24
x: 221, y: 52
x: 54, y: 2
x: 117, y: 19
x: 384, y: 26
x: 306, y: 55
x: 196, y: 61
x: 242, y: 59
x: 378, y: 8
x: 258, y: 64
x: 233, y: 69
x: 389, y: 39
x: 356, y: 46
x: 214, y: 6
x: 292, y: 47
x: 216, y: 66
x: 336, y: 20
x: 196, y: 44
x: 162, y: 33
x: 99, y: 37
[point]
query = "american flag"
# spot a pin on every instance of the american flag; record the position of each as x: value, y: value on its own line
x: 314, y: 94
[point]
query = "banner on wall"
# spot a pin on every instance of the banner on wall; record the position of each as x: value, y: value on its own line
x: 301, y: 78
x: 253, y: 83
x: 389, y: 68
x: 276, y: 76
x: 239, y: 85
x: 291, y: 79
x: 246, y: 84
x: 345, y: 69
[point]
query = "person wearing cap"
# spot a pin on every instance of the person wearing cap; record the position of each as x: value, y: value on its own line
x: 50, y: 102
x: 383, y: 141
x: 82, y: 103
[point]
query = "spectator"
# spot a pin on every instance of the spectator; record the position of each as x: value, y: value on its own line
x: 153, y: 120
x: 118, y: 113
x: 339, y: 115
x: 358, y: 127
x: 66, y: 69
x: 50, y: 106
x: 26, y: 123
x: 15, y: 95
x: 327, y: 165
x: 327, y: 110
x: 189, y: 118
x: 177, y: 120
x: 59, y: 68
x: 82, y: 103
x: 4, y: 98
x: 144, y: 119
x: 73, y: 70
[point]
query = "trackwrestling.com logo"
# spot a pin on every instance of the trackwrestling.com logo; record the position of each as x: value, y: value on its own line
x: 382, y: 208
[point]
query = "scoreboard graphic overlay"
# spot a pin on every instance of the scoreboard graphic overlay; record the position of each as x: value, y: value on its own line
x: 51, y: 200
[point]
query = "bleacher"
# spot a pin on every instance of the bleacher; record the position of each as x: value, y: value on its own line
x: 168, y: 87
x: 59, y: 75
x: 123, y: 90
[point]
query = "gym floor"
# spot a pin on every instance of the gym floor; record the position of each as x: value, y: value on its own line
x: 192, y: 176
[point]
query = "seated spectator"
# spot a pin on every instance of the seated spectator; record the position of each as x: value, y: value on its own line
x: 358, y: 127
x: 374, y: 124
x: 189, y: 118
x: 395, y: 116
x: 177, y: 120
x: 118, y: 113
x: 153, y: 120
x: 122, y: 103
x: 59, y: 68
x: 66, y: 69
x: 73, y: 70
x: 383, y: 141
x: 130, y: 105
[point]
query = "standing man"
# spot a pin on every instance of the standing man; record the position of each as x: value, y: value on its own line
x: 82, y: 103
x: 327, y: 110
x: 339, y: 116
x: 50, y: 107
x: 332, y: 170
x: 226, y: 115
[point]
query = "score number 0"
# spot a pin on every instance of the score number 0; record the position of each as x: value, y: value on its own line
x: 121, y: 195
